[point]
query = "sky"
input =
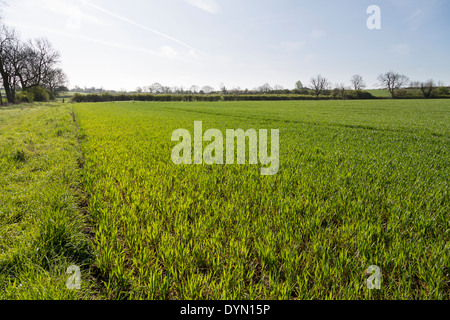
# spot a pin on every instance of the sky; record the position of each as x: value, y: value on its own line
x: 120, y: 45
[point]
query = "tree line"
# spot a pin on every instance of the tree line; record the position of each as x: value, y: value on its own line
x: 31, y: 67
x: 107, y: 97
x: 320, y: 91
x: 398, y: 85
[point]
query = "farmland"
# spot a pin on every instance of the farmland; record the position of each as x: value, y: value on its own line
x: 360, y: 183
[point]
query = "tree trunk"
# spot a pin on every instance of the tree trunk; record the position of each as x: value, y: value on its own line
x: 10, y: 93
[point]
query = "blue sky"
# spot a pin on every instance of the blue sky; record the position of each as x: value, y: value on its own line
x: 237, y: 43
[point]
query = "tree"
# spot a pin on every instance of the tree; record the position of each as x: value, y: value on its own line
x: 166, y: 89
x: 340, y: 89
x: 35, y: 63
x: 2, y: 3
x: 357, y: 82
x: 8, y: 39
x: 223, y: 88
x: 207, y: 89
x: 299, y: 85
x: 428, y: 88
x: 392, y: 81
x: 27, y: 65
x: 42, y: 60
x: 195, y: 89
x: 278, y: 87
x: 156, y: 88
x: 319, y: 84
x: 56, y: 81
x: 414, y: 84
x: 414, y: 87
x: 265, y: 88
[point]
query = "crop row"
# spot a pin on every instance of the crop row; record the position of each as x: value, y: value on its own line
x: 348, y: 195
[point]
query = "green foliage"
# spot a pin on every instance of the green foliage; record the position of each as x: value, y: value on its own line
x: 41, y: 226
x: 106, y: 97
x: 360, y: 184
x: 303, y: 91
x: 442, y: 91
x: 24, y: 97
x: 39, y: 94
x: 19, y: 156
x: 407, y: 94
x: 34, y: 94
x: 296, y: 95
x: 358, y: 94
x: 272, y: 97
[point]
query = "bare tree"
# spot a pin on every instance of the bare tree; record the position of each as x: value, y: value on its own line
x: 223, y: 88
x: 8, y: 39
x: 56, y: 81
x: 2, y: 4
x: 319, y: 84
x: 340, y: 89
x: 236, y: 90
x: 414, y: 84
x: 36, y: 63
x: 156, y: 88
x: 393, y: 81
x: 26, y: 65
x: 414, y: 87
x: 265, y: 88
x: 357, y: 82
x: 195, y: 89
x: 166, y: 89
x: 278, y: 87
x: 207, y: 89
x: 428, y: 88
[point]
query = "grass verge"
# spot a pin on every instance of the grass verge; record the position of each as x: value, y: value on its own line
x: 43, y: 231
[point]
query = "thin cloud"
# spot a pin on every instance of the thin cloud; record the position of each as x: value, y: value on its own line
x: 164, y: 52
x: 423, y: 12
x: 74, y: 13
x: 210, y: 6
x: 416, y: 14
x: 117, y: 16
x: 168, y: 51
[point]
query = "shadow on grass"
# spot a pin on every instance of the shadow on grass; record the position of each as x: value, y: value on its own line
x: 23, y: 106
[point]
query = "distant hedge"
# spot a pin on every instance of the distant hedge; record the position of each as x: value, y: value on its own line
x: 106, y: 97
x: 359, y: 95
x: 272, y: 97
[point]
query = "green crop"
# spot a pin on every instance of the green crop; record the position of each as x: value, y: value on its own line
x: 359, y: 184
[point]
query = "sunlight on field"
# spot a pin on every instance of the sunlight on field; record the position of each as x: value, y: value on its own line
x: 360, y: 184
